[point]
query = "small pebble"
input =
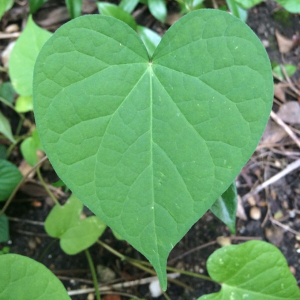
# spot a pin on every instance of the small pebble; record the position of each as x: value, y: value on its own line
x: 255, y: 213
x: 251, y: 201
x: 292, y: 269
x: 12, y: 28
x: 223, y: 241
x: 90, y: 296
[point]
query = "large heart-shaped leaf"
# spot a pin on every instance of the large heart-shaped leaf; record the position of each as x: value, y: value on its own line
x: 149, y: 144
x: 252, y: 271
x: 24, y: 278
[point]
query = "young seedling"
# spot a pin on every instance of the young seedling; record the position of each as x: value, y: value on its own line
x: 149, y: 143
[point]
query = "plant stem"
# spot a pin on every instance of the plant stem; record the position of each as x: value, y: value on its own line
x: 92, y: 267
x: 20, y: 184
x: 45, y: 186
x: 47, y: 249
x: 141, y: 264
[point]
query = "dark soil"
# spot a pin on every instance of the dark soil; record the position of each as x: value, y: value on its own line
x: 281, y: 201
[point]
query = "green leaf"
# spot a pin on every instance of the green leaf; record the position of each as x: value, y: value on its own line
x: 35, y: 5
x: 61, y: 218
x: 28, y: 150
x: 237, y: 10
x: 24, y: 104
x: 26, y: 279
x: 292, y: 6
x: 108, y: 9
x: 23, y: 56
x: 10, y: 177
x: 7, y: 93
x: 158, y: 9
x: 3, y: 150
x: 150, y: 38
x: 128, y: 5
x: 246, y: 4
x: 5, y: 128
x: 75, y: 235
x: 82, y: 235
x: 4, y: 229
x: 149, y: 145
x: 290, y: 70
x: 225, y: 207
x: 254, y: 270
x: 74, y: 8
x: 5, y: 5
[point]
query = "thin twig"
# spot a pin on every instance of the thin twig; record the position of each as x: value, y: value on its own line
x: 115, y: 286
x: 290, y: 168
x: 20, y: 184
x: 285, y: 227
x: 25, y: 221
x: 285, y: 127
x: 4, y: 36
x: 45, y: 186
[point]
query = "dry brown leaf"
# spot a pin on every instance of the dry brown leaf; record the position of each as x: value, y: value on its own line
x: 285, y: 44
x: 290, y: 112
x: 172, y: 18
x: 279, y: 92
x: 24, y: 168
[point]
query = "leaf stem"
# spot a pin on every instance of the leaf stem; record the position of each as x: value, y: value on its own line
x: 38, y: 172
x: 94, y: 275
x: 141, y: 264
x: 20, y: 184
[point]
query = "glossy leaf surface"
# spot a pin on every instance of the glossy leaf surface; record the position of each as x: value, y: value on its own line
x: 149, y: 145
x: 10, y: 176
x: 225, y: 207
x: 158, y: 9
x: 254, y: 270
x: 128, y: 5
x: 4, y: 6
x: 23, y: 57
x: 24, y: 278
x: 108, y: 9
x: 150, y: 38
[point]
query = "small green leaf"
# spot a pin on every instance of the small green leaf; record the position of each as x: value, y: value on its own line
x: 35, y: 5
x: 117, y: 236
x: 7, y: 93
x: 150, y: 38
x: 254, y: 270
x: 61, y: 218
x: 58, y: 183
x: 82, y: 235
x: 225, y: 207
x: 75, y: 235
x: 29, y: 148
x: 150, y: 144
x: 10, y: 176
x: 4, y: 229
x: 4, y: 6
x: 23, y: 56
x: 26, y: 279
x: 290, y: 70
x: 158, y: 9
x: 237, y: 10
x: 5, y: 128
x: 108, y: 9
x: 74, y: 8
x: 292, y: 6
x: 128, y: 5
x: 24, y: 104
x: 246, y: 4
